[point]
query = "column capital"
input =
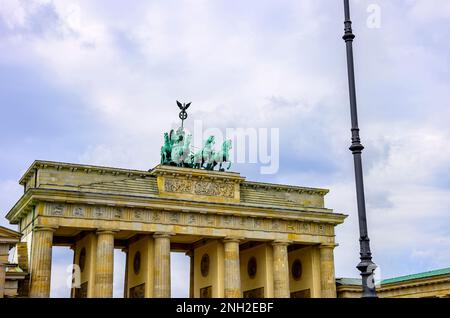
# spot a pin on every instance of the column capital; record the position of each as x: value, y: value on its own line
x: 163, y: 234
x: 50, y: 228
x: 235, y: 239
x: 105, y: 231
x: 281, y: 243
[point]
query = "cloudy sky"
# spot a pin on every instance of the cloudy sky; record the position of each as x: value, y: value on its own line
x: 95, y: 82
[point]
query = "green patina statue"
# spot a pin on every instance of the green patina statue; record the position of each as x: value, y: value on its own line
x: 176, y: 150
x: 223, y: 155
x: 166, y: 150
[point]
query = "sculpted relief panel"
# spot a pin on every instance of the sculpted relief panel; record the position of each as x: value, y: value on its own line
x: 199, y: 187
x: 187, y: 219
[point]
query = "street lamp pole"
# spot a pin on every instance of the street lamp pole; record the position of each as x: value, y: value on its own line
x: 365, y: 266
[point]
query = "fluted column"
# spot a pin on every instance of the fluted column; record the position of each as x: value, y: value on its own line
x: 162, y: 265
x: 41, y: 262
x: 104, y: 268
x: 327, y: 279
x: 232, y: 274
x: 280, y: 270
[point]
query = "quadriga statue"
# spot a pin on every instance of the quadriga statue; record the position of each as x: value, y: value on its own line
x: 176, y: 151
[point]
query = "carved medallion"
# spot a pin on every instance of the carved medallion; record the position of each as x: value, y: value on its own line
x: 210, y: 219
x: 191, y: 219
x: 204, y: 265
x: 251, y: 267
x: 306, y: 227
x: 250, y: 222
x: 174, y: 217
x: 78, y: 211
x: 99, y: 212
x: 82, y: 259
x: 118, y: 213
x: 137, y: 263
x: 156, y: 217
x: 58, y: 209
x: 291, y: 226
x: 296, y: 269
x: 227, y: 220
x: 138, y: 214
x: 275, y: 225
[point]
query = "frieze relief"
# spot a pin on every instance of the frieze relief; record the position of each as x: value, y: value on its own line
x: 99, y: 212
x: 118, y: 213
x: 58, y: 210
x: 199, y: 187
x: 138, y: 214
x: 227, y: 221
x: 189, y: 219
x: 276, y: 225
x: 259, y: 224
x: 174, y: 217
x: 79, y: 211
x: 156, y: 217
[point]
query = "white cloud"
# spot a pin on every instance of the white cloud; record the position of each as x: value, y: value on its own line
x: 13, y: 13
x: 426, y: 10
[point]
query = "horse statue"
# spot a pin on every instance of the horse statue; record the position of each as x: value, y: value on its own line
x: 176, y: 151
x: 208, y: 153
x: 181, y: 150
x: 204, y: 155
x: 223, y: 155
x: 166, y: 150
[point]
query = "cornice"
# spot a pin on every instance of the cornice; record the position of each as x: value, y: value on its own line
x: 32, y: 196
x: 283, y: 187
x: 39, y: 164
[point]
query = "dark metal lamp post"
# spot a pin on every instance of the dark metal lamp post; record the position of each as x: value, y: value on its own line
x: 366, y: 266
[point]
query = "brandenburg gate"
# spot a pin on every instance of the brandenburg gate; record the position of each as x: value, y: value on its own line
x: 244, y: 238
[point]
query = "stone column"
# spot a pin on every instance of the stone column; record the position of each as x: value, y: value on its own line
x: 162, y: 265
x: 104, y: 268
x: 4, y: 252
x: 280, y: 270
x: 41, y: 262
x: 327, y: 279
x: 232, y: 274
